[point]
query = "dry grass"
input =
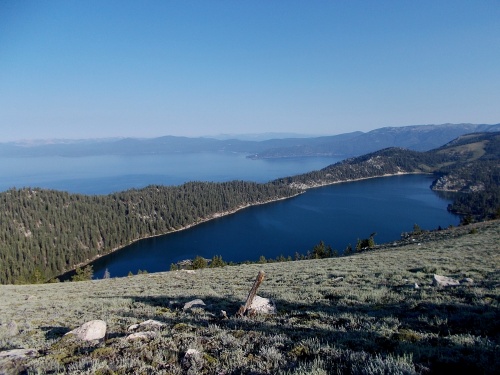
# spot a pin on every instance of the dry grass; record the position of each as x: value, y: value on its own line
x: 372, y: 321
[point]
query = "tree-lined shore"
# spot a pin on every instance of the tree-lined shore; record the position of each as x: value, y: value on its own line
x: 44, y: 233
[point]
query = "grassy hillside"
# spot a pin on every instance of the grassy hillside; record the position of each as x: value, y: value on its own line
x: 359, y: 314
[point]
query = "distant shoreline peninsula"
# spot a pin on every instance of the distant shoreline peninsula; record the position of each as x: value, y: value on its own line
x: 305, y: 186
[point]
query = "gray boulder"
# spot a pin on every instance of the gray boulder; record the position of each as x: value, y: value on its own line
x: 93, y: 330
x: 148, y: 324
x: 444, y: 281
x: 146, y: 335
x: 194, y: 303
x: 18, y: 353
x: 262, y: 305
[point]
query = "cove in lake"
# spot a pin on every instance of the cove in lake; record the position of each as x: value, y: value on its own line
x: 336, y: 214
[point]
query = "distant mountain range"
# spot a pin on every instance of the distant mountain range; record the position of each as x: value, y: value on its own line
x: 260, y: 136
x: 416, y: 137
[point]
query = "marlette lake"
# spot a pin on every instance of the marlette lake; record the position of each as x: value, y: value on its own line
x: 336, y: 214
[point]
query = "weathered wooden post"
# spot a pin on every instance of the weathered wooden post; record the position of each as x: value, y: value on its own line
x: 243, y: 309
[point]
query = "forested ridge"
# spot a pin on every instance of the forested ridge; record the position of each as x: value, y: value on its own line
x: 384, y: 162
x: 44, y: 233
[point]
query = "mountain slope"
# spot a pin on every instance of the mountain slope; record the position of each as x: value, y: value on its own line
x: 371, y: 313
x: 417, y: 137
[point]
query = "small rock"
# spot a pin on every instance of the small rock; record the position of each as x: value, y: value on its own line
x: 192, y: 361
x: 10, y: 329
x: 146, y: 335
x: 93, y: 330
x: 444, y: 281
x: 192, y: 352
x: 262, y: 306
x: 194, y: 303
x: 19, y: 353
x: 467, y: 280
x: 149, y: 324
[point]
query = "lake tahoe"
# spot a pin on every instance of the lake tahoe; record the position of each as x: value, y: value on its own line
x: 110, y: 173
x: 337, y: 214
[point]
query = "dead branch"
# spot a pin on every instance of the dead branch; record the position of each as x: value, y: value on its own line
x: 243, y: 309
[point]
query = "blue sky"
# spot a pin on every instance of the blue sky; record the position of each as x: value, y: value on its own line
x: 86, y: 69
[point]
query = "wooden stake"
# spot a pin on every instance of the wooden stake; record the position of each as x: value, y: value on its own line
x: 243, y: 309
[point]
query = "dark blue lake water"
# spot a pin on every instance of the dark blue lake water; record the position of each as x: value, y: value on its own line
x: 336, y: 214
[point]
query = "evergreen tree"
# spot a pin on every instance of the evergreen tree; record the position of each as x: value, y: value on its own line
x: 217, y: 262
x: 199, y: 262
x: 83, y: 274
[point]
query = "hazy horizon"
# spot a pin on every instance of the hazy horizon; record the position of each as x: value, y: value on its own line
x: 79, y: 70
x: 221, y: 136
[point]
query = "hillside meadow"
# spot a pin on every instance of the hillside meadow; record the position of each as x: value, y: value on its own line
x: 359, y: 314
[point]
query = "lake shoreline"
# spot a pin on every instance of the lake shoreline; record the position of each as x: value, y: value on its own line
x: 319, y: 185
x: 302, y: 187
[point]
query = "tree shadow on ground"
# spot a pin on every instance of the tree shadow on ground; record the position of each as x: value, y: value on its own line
x: 353, y: 328
x: 53, y: 332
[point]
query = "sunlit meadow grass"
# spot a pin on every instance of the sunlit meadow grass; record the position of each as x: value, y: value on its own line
x: 358, y: 315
